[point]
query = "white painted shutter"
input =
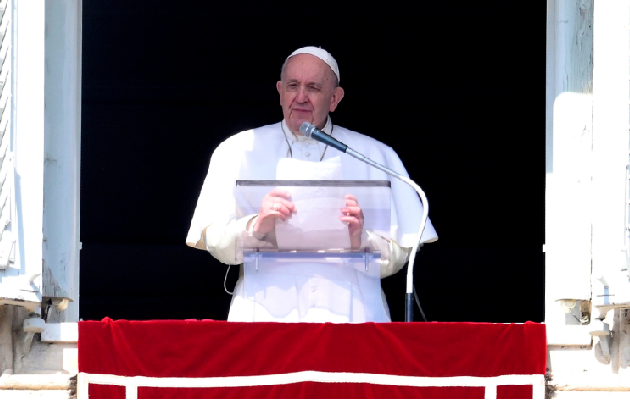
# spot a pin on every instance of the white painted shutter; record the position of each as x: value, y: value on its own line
x: 40, y: 99
x: 7, y: 241
x: 22, y: 25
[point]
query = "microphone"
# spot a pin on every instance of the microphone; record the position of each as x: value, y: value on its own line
x: 309, y: 130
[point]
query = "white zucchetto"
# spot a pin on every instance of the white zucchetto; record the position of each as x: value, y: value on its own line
x: 321, y: 54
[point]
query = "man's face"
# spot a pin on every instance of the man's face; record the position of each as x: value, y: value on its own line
x: 307, y: 92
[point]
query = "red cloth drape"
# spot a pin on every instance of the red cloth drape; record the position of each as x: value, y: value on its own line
x: 224, y: 349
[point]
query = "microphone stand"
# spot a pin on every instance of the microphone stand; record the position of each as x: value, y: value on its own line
x: 311, y: 131
x: 423, y: 222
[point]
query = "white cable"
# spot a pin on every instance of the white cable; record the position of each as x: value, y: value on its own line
x: 225, y: 280
x: 423, y: 222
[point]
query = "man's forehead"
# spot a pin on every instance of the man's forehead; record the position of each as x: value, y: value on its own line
x: 306, y: 67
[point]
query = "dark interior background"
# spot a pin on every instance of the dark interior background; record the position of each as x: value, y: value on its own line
x: 457, y: 90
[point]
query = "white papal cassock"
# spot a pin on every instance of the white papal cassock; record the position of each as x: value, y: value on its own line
x: 254, y: 155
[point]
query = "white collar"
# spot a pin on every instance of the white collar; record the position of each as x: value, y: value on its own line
x: 292, y: 137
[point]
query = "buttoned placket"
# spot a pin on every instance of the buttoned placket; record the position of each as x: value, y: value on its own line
x: 303, y: 148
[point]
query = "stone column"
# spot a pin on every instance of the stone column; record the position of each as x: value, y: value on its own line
x: 6, y: 341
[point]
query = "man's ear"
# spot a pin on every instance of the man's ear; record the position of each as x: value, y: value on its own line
x: 336, y: 98
x: 279, y: 87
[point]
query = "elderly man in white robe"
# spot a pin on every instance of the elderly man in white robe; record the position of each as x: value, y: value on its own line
x: 309, y: 90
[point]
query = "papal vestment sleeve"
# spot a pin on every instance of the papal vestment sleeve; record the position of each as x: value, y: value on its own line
x: 407, y: 209
x: 214, y: 226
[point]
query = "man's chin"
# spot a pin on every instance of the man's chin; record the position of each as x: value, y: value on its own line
x: 294, y: 124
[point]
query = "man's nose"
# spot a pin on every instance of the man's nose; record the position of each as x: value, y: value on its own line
x: 302, y: 95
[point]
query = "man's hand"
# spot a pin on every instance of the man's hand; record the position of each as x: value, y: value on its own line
x: 274, y: 205
x: 353, y: 217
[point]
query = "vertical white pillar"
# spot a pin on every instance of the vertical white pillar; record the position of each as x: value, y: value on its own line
x: 62, y: 153
x: 568, y: 219
x: 610, y: 148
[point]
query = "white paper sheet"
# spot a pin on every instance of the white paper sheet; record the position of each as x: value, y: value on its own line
x: 316, y: 225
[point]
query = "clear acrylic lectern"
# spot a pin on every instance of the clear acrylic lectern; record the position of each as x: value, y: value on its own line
x: 307, y: 269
